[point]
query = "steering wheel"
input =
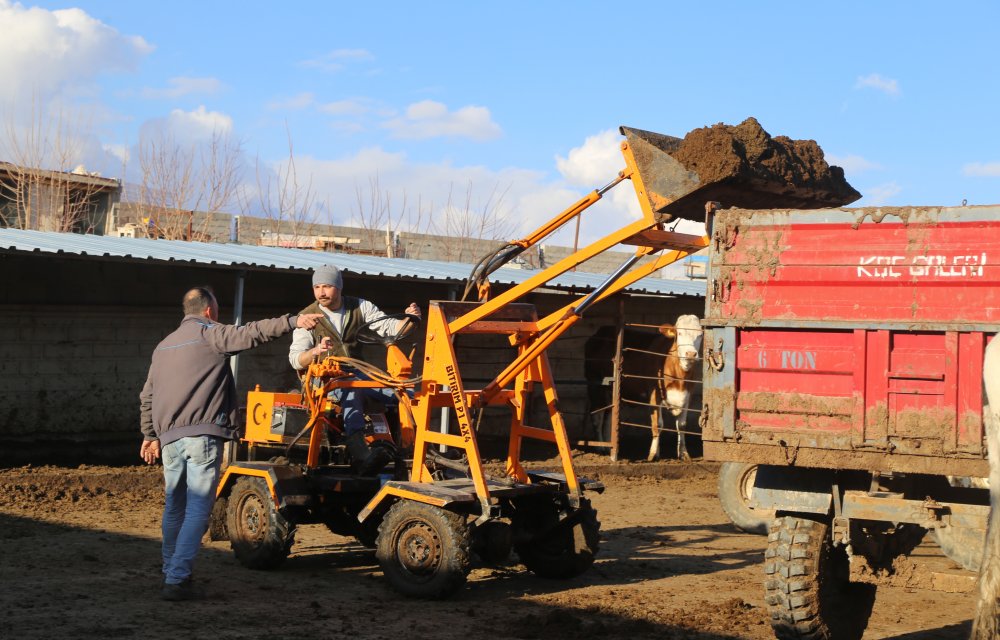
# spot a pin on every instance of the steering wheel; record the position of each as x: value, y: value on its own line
x: 398, y: 325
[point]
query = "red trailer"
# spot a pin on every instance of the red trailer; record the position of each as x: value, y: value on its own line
x: 844, y: 355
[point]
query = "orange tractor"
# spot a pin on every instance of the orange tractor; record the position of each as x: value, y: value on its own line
x: 428, y: 513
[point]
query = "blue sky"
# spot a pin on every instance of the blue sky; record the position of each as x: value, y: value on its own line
x: 522, y: 98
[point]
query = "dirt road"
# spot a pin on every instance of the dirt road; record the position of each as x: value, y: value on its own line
x: 80, y: 559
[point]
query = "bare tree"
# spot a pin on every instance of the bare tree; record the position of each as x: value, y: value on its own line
x: 456, y: 232
x: 44, y: 185
x: 286, y: 201
x: 467, y: 223
x: 183, y: 187
x: 381, y: 219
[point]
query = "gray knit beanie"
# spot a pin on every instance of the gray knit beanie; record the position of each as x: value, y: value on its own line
x: 328, y: 274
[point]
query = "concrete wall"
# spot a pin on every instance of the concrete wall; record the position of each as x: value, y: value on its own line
x: 76, y: 336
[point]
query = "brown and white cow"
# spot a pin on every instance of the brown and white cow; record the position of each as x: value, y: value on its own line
x: 673, y: 389
x: 658, y: 370
x: 986, y: 624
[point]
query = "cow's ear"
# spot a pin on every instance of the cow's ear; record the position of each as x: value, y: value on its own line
x: 668, y: 330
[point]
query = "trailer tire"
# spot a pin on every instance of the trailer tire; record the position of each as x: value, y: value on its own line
x: 423, y: 550
x: 735, y: 489
x: 562, y: 553
x: 962, y: 545
x: 260, y: 536
x: 806, y: 583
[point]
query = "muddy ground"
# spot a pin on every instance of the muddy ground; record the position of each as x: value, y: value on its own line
x: 81, y: 560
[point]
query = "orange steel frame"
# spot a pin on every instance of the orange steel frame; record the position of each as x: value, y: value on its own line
x: 442, y: 384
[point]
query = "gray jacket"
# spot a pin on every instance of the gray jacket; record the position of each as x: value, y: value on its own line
x: 190, y: 389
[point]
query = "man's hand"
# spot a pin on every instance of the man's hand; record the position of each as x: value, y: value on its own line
x: 149, y: 451
x: 324, y: 345
x: 413, y: 310
x: 308, y: 320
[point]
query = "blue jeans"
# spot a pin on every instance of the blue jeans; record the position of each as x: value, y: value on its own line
x: 191, y: 472
x: 352, y: 403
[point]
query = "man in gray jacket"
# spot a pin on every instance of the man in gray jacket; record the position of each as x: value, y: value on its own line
x: 188, y: 410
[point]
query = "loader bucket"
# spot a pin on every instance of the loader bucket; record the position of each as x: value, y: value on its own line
x: 735, y: 166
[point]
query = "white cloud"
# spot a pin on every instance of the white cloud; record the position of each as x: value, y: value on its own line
x: 44, y: 52
x: 595, y: 163
x: 201, y: 120
x: 119, y: 151
x: 347, y: 127
x: 880, y: 194
x: 299, y: 101
x: 182, y: 86
x: 188, y: 127
x: 352, y: 107
x: 339, y: 182
x: 982, y: 170
x: 875, y: 81
x: 430, y: 119
x: 338, y: 59
x: 529, y: 198
x: 852, y: 163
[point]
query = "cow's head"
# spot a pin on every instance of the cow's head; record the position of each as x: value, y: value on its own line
x: 687, y: 339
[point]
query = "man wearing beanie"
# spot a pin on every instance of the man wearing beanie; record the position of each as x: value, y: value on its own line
x: 336, y: 334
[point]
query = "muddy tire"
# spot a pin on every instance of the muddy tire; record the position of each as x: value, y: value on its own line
x: 806, y: 584
x: 550, y: 550
x: 962, y: 545
x: 735, y: 489
x: 260, y: 536
x: 217, y: 520
x: 423, y: 550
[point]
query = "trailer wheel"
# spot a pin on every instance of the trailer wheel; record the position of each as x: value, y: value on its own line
x: 962, y: 545
x: 807, y: 587
x: 735, y: 489
x: 260, y: 536
x: 423, y: 550
x: 553, y: 550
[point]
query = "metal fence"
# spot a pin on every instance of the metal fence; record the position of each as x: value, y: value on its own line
x: 611, y: 438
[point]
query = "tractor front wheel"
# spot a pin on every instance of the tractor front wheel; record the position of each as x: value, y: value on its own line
x: 552, y: 546
x: 423, y: 550
x: 260, y: 536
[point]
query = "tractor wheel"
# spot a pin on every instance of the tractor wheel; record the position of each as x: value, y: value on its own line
x: 423, y: 550
x: 962, y: 545
x: 807, y: 587
x: 735, y: 489
x: 551, y: 550
x: 260, y: 536
x: 217, y: 520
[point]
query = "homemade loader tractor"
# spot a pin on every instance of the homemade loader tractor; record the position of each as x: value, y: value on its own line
x: 427, y: 513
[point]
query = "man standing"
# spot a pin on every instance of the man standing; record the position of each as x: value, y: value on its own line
x: 336, y: 334
x: 188, y: 410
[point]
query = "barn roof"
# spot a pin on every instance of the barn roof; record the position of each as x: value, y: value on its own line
x: 258, y: 258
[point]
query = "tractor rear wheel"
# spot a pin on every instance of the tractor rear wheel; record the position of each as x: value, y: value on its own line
x: 807, y: 586
x: 735, y: 490
x: 553, y: 547
x: 423, y: 550
x: 260, y: 536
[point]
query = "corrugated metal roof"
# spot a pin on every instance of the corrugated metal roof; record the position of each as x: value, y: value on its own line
x: 277, y: 258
